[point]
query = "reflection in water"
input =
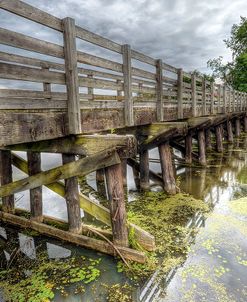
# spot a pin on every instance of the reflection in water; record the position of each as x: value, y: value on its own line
x: 224, y: 179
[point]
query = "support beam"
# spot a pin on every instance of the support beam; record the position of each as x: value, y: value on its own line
x: 245, y: 123
x: 167, y: 168
x: 237, y: 127
x: 34, y: 167
x: 201, y: 147
x: 144, y: 170
x: 124, y: 171
x: 6, y: 178
x: 229, y: 131
x: 219, y: 138
x: 159, y: 90
x: 188, y: 148
x: 114, y: 180
x: 208, y: 139
x: 72, y: 198
x: 100, y: 182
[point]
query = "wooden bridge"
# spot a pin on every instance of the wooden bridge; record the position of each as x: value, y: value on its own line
x: 105, y: 102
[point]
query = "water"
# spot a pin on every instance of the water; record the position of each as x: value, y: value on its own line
x: 215, y: 269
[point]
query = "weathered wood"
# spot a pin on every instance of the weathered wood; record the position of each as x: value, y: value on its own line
x: 144, y: 170
x: 182, y: 149
x: 219, y: 138
x: 124, y: 171
x: 81, y: 240
x: 188, y: 148
x: 167, y: 168
x: 34, y: 167
x: 193, y: 94
x: 72, y: 198
x: 159, y: 91
x: 180, y: 93
x: 93, y: 208
x: 80, y: 167
x: 70, y: 56
x: 212, y: 98
x: 127, y: 72
x: 229, y: 131
x: 31, y: 104
x: 204, y: 97
x: 208, y: 139
x: 201, y: 147
x: 100, y: 182
x: 6, y: 177
x: 245, y: 123
x: 114, y: 180
x: 224, y: 98
x: 136, y: 176
x: 237, y: 127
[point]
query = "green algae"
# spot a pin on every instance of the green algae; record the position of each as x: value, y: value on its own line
x: 165, y: 217
x: 119, y: 292
x: 38, y: 280
x: 239, y: 206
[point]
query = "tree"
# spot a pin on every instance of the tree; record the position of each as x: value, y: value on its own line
x: 234, y: 73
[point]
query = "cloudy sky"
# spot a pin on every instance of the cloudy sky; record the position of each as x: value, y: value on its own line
x: 184, y: 33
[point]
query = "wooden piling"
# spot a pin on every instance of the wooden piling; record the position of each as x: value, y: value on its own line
x: 8, y: 202
x: 124, y: 171
x: 136, y: 176
x: 167, y: 168
x: 34, y: 167
x: 208, y: 139
x: 237, y: 127
x: 229, y: 131
x: 188, y: 148
x: 100, y: 181
x: 144, y: 170
x: 72, y: 198
x: 201, y: 147
x: 219, y: 138
x: 114, y: 180
x: 245, y: 123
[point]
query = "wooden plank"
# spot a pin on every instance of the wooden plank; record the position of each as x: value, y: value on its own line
x: 193, y: 94
x: 143, y: 73
x: 18, y: 40
x: 204, y: 96
x: 180, y: 93
x: 128, y: 102
x: 34, y: 167
x: 85, y: 145
x: 8, y: 202
x: 93, y: 208
x: 78, y: 168
x: 27, y: 104
x: 114, y: 181
x: 32, y: 94
x: 142, y: 57
x: 22, y: 73
x: 72, y: 198
x: 13, y: 58
x: 81, y: 240
x: 70, y: 53
x: 159, y: 91
x: 99, y: 84
x: 169, y: 67
x: 212, y: 98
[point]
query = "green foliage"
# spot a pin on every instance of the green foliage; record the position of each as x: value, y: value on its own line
x: 234, y: 73
x: 119, y: 293
x: 37, y: 281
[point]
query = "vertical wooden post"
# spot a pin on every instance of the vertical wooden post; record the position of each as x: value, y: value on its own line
x: 193, y: 94
x: 34, y: 167
x: 71, y: 72
x: 119, y: 92
x: 159, y: 91
x: 212, y: 98
x: 219, y: 98
x: 144, y: 170
x: 204, y: 98
x: 124, y: 171
x: 140, y: 94
x: 208, y: 138
x: 136, y: 176
x: 245, y: 123
x: 180, y: 93
x: 8, y: 202
x: 237, y: 127
x: 188, y: 148
x: 90, y: 89
x: 72, y: 198
x: 224, y: 99
x: 167, y: 168
x: 219, y: 139
x: 114, y: 180
x: 100, y: 182
x: 128, y: 99
x: 229, y: 131
x: 201, y: 147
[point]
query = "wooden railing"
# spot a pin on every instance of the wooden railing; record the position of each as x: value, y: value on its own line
x: 130, y: 82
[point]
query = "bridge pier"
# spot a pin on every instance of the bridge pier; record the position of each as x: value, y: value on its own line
x: 229, y: 131
x: 237, y: 127
x: 144, y: 170
x: 219, y: 138
x: 201, y: 147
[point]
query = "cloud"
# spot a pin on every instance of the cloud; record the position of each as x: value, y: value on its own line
x: 184, y: 33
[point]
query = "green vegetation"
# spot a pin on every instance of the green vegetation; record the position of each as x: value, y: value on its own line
x: 234, y: 73
x: 37, y: 281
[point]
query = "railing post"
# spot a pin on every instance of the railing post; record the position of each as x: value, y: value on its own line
x: 204, y: 99
x: 193, y: 94
x: 71, y: 72
x: 119, y: 92
x: 233, y: 101
x: 159, y: 91
x: 127, y: 73
x: 180, y: 93
x: 219, y: 98
x: 224, y: 98
x: 212, y: 97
